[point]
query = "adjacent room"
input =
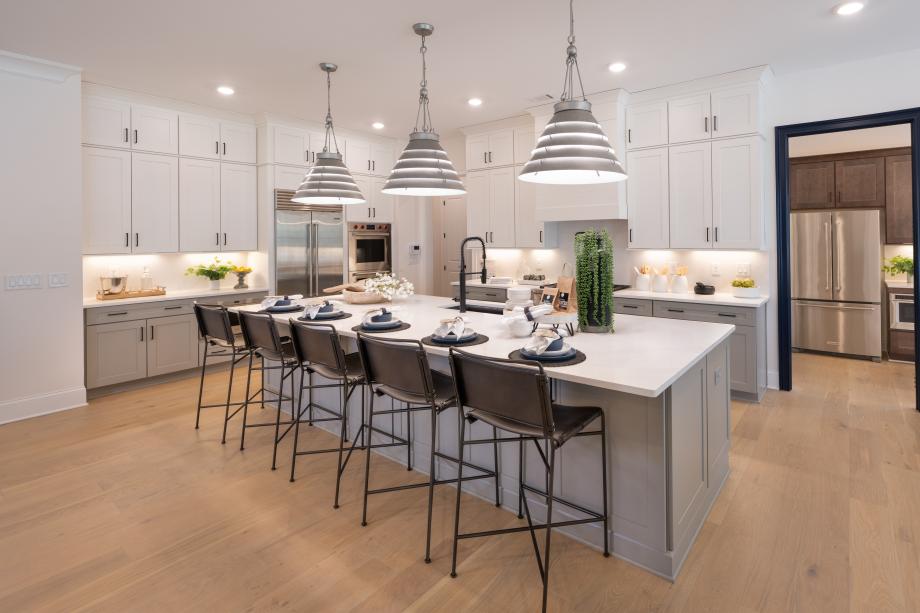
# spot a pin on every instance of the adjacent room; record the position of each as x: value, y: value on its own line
x: 547, y: 305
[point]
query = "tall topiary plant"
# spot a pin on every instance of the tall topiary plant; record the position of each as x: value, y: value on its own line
x: 594, y: 280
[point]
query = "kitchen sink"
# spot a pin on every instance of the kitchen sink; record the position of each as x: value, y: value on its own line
x: 478, y: 308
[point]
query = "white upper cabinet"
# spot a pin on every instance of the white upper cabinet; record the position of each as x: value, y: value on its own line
x: 490, y: 149
x: 530, y: 232
x: 648, y: 196
x: 382, y: 159
x: 736, y: 110
x: 647, y: 125
x: 106, y: 122
x: 155, y: 130
x: 478, y: 204
x: 490, y: 206
x: 382, y: 204
x: 238, y: 218
x: 289, y: 177
x: 358, y: 156
x: 737, y: 193
x: 291, y: 146
x: 106, y: 201
x: 199, y: 205
x: 688, y: 118
x: 237, y: 142
x: 690, y: 201
x: 199, y: 136
x: 524, y: 142
x: 154, y: 203
x: 377, y: 208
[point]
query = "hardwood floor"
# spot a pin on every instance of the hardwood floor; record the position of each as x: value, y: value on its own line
x: 123, y: 506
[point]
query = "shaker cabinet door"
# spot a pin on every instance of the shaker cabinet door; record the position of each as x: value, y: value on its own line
x: 115, y: 353
x: 238, y: 210
x: 811, y: 185
x: 172, y: 344
x: 688, y: 119
x: 155, y: 130
x: 647, y: 199
x: 238, y: 142
x: 860, y: 183
x: 690, y: 171
x: 154, y: 203
x: 899, y: 210
x: 106, y: 201
x: 646, y: 125
x: 199, y: 137
x: 737, y: 193
x: 501, y: 209
x: 106, y: 122
x: 199, y: 205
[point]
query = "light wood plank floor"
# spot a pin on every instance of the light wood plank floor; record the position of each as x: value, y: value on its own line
x: 123, y: 506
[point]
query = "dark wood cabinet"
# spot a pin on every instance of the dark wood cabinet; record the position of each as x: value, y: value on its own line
x: 901, y: 345
x: 860, y: 183
x: 811, y: 185
x: 898, y: 200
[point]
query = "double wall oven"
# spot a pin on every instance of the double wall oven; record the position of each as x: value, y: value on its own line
x: 369, y: 250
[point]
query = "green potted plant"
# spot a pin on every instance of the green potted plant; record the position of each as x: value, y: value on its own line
x: 900, y: 265
x: 215, y: 271
x: 594, y: 280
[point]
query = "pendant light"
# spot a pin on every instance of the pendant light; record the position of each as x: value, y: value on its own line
x: 573, y: 149
x: 328, y: 181
x: 423, y: 169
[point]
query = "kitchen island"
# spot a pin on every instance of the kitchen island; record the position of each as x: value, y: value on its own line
x: 663, y: 385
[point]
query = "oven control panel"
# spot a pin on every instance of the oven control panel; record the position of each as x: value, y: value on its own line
x: 369, y: 227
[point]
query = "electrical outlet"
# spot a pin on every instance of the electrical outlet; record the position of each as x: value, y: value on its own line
x: 26, y: 281
x: 715, y: 270
x: 57, y: 279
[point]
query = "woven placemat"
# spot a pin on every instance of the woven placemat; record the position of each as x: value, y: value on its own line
x: 360, y: 328
x: 477, y: 340
x: 578, y: 358
x: 320, y: 320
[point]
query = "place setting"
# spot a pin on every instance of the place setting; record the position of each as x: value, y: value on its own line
x: 550, y: 349
x: 281, y: 304
x: 379, y: 321
x: 323, y: 311
x: 454, y: 332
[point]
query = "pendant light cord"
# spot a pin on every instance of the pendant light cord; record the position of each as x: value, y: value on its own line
x: 423, y: 112
x: 330, y: 129
x: 571, y: 62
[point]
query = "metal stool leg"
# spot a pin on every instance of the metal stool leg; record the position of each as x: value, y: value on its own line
x: 521, y: 477
x: 549, y: 520
x: 278, y: 416
x: 604, y: 475
x: 431, y: 479
x: 367, y: 459
x: 498, y: 501
x: 453, y: 563
x: 223, y: 438
x: 338, y: 477
x: 246, y: 404
x: 408, y: 437
x: 204, y: 362
x: 297, y: 415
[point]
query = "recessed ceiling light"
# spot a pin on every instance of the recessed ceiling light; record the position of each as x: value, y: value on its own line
x: 377, y: 125
x: 226, y: 90
x: 474, y: 102
x: 617, y: 67
x: 849, y: 8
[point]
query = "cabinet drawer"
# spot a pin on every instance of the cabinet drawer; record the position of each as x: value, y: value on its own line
x: 109, y: 314
x: 739, y: 316
x: 491, y: 294
x: 236, y: 299
x: 632, y: 306
x: 901, y: 344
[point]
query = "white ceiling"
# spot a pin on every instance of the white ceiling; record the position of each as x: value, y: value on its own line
x: 505, y: 51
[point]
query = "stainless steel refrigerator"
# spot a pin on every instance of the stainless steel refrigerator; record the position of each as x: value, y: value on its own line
x: 309, y: 247
x: 836, y: 282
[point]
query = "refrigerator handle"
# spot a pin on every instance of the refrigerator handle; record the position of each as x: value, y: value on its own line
x: 837, y: 255
x: 827, y: 241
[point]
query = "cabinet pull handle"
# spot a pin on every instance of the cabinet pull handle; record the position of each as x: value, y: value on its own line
x: 541, y: 236
x: 484, y: 158
x: 727, y: 315
x: 629, y: 306
x: 172, y: 308
x: 830, y: 196
x: 374, y: 165
x: 629, y: 135
x: 314, y: 157
x: 707, y: 234
x: 706, y: 124
x: 142, y: 334
x: 151, y: 331
x: 368, y: 164
x: 375, y: 212
x: 137, y: 239
x: 217, y: 238
x: 225, y: 238
x: 216, y: 148
x: 116, y: 314
x: 225, y: 148
x: 715, y: 123
x: 630, y: 235
x: 306, y: 156
x: 127, y: 239
x: 368, y: 212
x: 126, y: 134
x: 717, y: 234
x: 675, y: 310
x: 135, y: 137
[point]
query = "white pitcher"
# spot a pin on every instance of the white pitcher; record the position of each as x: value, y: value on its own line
x: 643, y: 281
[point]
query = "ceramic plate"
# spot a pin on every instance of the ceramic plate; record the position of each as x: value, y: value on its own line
x: 285, y: 309
x: 565, y: 353
x: 468, y: 335
x: 383, y: 325
x: 328, y: 315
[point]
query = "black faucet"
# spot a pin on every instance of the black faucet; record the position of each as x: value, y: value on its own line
x: 464, y: 274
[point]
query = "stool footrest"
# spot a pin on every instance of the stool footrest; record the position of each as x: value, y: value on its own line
x: 571, y: 505
x: 555, y: 524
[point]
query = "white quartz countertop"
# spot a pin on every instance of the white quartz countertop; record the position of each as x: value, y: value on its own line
x: 643, y: 357
x: 899, y: 285
x: 89, y: 303
x: 719, y: 298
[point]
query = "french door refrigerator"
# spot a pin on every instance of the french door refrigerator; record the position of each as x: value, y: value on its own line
x: 836, y: 282
x: 309, y: 248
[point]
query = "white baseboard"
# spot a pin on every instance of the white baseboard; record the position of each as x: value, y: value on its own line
x: 42, y: 404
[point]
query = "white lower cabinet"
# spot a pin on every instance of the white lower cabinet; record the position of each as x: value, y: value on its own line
x: 490, y: 199
x: 172, y: 344
x: 154, y: 203
x: 115, y: 353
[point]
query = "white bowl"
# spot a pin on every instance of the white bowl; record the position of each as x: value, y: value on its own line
x: 746, y: 292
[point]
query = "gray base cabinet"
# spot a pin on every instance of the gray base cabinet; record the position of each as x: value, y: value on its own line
x: 115, y: 353
x: 172, y: 344
x: 748, y: 341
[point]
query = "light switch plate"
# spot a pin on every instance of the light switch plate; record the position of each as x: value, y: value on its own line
x: 57, y: 279
x: 24, y: 281
x: 744, y: 269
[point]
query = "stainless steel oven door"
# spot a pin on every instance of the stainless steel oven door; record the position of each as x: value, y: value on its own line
x: 368, y: 252
x: 902, y: 312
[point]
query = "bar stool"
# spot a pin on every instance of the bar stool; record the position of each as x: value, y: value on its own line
x: 319, y: 351
x: 399, y: 368
x: 261, y: 336
x: 514, y: 396
x: 215, y: 326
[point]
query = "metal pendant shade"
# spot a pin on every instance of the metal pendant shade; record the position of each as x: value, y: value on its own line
x: 423, y: 168
x: 328, y: 181
x: 573, y: 149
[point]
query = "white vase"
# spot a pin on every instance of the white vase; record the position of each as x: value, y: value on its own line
x: 680, y: 285
x: 643, y: 282
x: 214, y: 283
x: 660, y: 283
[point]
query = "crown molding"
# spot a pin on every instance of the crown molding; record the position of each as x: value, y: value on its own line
x: 36, y: 68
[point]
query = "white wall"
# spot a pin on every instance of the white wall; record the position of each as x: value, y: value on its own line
x: 885, y: 137
x: 883, y: 83
x: 41, y: 330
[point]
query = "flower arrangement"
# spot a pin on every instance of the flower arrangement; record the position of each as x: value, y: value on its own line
x: 900, y: 265
x: 389, y: 286
x: 215, y: 271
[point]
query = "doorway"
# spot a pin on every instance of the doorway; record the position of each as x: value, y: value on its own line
x: 848, y: 204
